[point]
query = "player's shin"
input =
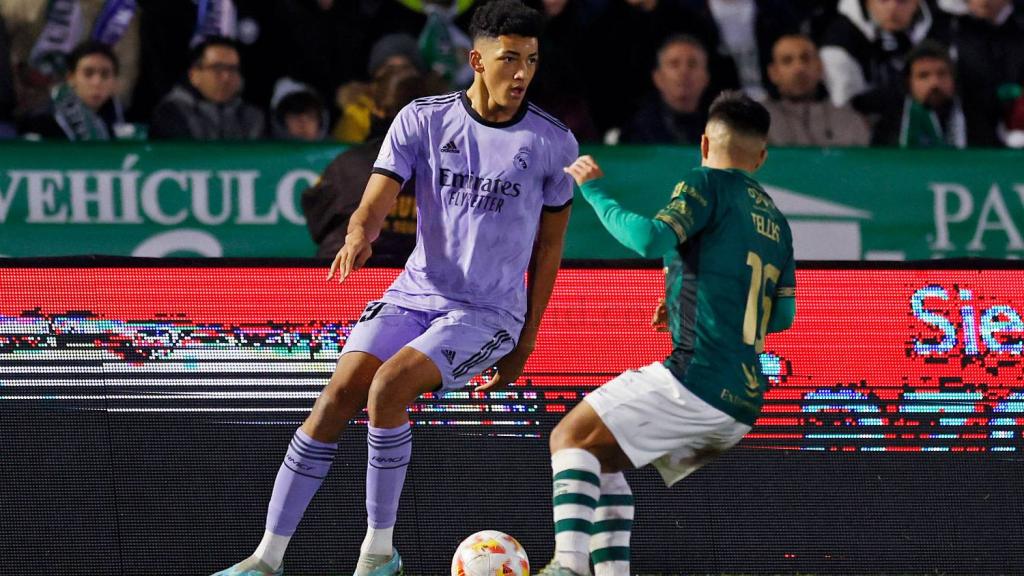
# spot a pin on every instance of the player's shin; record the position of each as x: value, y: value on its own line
x: 577, y: 488
x: 613, y: 524
x: 304, y: 468
x: 389, y: 452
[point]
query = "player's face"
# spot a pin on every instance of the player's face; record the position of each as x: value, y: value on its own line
x: 682, y: 75
x: 507, y: 64
x: 93, y: 80
x: 931, y: 82
x: 987, y: 9
x: 217, y: 75
x: 893, y: 15
x: 795, y: 69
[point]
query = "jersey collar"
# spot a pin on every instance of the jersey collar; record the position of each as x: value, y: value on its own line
x: 480, y: 119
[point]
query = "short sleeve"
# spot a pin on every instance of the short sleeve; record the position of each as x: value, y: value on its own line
x: 558, y: 186
x: 786, y: 288
x: 690, y: 208
x: 398, y: 154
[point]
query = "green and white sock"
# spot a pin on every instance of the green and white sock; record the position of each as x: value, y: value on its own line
x: 577, y: 488
x: 613, y: 524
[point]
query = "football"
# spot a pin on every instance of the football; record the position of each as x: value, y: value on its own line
x: 490, y: 553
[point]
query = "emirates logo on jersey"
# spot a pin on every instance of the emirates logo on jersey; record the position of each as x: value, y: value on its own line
x: 522, y: 159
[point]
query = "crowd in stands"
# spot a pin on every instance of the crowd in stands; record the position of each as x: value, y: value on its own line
x: 908, y: 73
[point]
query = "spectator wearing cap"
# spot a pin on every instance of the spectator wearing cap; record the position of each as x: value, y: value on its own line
x: 392, y: 52
x: 802, y: 114
x: 297, y: 112
x: 209, y: 105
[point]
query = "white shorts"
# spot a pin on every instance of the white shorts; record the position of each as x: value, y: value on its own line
x: 657, y: 421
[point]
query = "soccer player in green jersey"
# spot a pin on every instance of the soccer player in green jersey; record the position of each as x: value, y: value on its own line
x: 730, y: 280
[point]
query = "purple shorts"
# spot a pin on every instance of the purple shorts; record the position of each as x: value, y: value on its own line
x: 461, y: 343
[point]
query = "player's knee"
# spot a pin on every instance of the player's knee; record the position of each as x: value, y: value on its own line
x: 564, y: 436
x: 386, y: 391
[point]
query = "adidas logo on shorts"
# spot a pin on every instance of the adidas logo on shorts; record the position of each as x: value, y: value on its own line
x: 449, y: 354
x: 450, y: 147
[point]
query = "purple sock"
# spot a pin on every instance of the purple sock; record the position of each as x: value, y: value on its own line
x: 304, y: 468
x: 389, y: 451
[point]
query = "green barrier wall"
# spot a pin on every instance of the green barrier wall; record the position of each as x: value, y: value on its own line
x: 242, y: 200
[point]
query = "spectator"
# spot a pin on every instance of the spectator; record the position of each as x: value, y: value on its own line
x: 675, y: 115
x: 7, y: 100
x: 209, y: 107
x: 803, y: 115
x: 989, y: 43
x: 931, y: 115
x: 297, y: 112
x: 864, y: 49
x: 559, y: 87
x: 747, y: 30
x: 85, y: 106
x: 355, y: 99
x: 621, y: 49
x: 329, y: 204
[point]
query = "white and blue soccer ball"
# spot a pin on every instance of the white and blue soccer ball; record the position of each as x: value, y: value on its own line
x: 490, y: 553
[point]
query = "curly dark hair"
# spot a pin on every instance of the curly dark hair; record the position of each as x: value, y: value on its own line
x: 505, y: 18
x: 740, y: 113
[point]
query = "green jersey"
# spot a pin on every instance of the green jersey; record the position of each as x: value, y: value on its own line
x: 733, y: 260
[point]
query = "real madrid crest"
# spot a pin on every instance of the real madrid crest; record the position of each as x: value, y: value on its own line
x: 522, y: 159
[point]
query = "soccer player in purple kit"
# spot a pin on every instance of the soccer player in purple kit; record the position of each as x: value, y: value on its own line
x: 493, y: 203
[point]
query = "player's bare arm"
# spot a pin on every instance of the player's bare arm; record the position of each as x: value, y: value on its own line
x: 547, y: 257
x: 364, y: 226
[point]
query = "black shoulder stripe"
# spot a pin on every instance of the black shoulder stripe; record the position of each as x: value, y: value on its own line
x: 421, y: 102
x: 536, y: 110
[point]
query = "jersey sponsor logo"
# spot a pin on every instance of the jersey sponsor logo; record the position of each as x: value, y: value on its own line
x: 449, y: 355
x: 450, y: 147
x: 477, y: 183
x: 761, y: 200
x: 522, y: 159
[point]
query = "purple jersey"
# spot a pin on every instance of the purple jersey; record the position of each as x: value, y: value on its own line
x: 480, y: 190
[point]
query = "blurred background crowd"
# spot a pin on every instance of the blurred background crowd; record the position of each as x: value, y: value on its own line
x: 908, y: 73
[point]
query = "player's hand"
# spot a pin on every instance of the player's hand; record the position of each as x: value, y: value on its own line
x: 508, y: 369
x: 584, y: 169
x: 660, y: 319
x: 351, y: 257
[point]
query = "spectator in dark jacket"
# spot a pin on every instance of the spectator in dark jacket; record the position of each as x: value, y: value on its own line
x: 7, y: 100
x: 329, y: 204
x: 930, y: 115
x: 864, y: 49
x: 674, y: 115
x: 209, y: 106
x: 621, y: 50
x: 989, y: 45
x: 746, y: 31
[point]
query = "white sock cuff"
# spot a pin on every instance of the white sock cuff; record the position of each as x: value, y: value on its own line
x: 575, y: 459
x: 615, y: 483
